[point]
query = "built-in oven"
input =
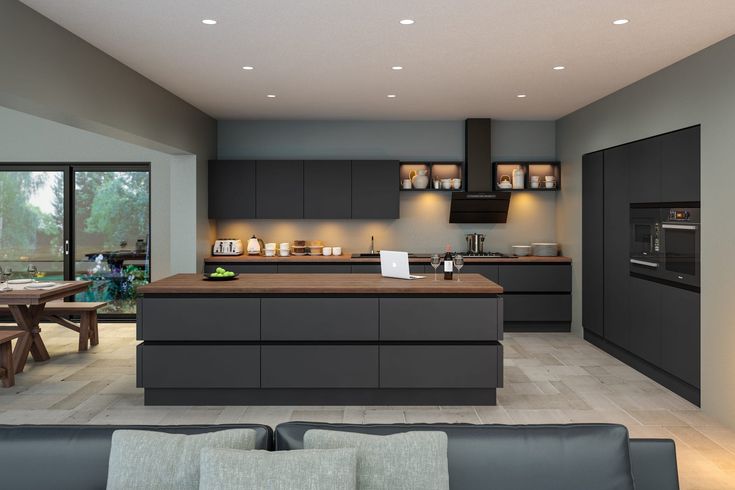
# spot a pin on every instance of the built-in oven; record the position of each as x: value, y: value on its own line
x: 665, y: 243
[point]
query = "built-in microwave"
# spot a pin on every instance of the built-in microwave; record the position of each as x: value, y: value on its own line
x: 665, y: 243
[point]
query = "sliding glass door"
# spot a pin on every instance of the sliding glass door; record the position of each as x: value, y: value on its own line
x: 79, y: 222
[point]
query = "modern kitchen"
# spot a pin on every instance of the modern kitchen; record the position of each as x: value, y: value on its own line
x: 294, y: 237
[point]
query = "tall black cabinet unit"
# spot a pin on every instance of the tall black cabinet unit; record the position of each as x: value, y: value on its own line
x: 592, y: 245
x: 652, y: 326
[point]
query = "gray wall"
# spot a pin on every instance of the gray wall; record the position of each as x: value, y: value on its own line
x: 423, y: 225
x: 51, y: 73
x: 696, y: 90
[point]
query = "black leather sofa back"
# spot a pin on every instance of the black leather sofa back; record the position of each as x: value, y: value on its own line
x: 529, y: 457
x: 75, y: 457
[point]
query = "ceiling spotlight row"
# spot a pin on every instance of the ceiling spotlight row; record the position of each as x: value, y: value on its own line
x: 408, y: 22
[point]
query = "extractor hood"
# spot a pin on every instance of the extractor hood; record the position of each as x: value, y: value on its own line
x: 479, y: 207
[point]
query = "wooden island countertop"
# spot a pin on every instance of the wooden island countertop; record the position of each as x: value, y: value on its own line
x: 346, y: 258
x: 321, y: 284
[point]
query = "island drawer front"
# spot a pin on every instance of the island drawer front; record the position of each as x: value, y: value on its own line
x: 205, y: 319
x: 535, y: 278
x: 243, y: 268
x: 538, y: 307
x: 315, y: 268
x: 440, y: 366
x: 440, y: 319
x: 319, y: 366
x: 319, y: 319
x: 199, y: 366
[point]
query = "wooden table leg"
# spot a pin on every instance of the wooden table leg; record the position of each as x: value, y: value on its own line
x: 27, y: 318
x: 6, y: 362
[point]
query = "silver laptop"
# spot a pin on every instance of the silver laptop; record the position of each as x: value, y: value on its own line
x: 395, y: 264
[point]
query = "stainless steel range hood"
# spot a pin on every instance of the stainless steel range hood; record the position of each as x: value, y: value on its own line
x: 479, y: 207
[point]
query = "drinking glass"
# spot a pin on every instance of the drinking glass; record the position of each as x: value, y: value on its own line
x: 435, y: 263
x: 458, y: 263
x: 7, y: 274
x: 32, y: 272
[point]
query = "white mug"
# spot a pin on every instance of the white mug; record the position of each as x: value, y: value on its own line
x: 406, y: 183
x: 534, y: 178
x: 285, y: 252
x: 337, y: 250
x: 270, y: 246
x: 285, y: 246
x: 270, y: 252
x: 327, y: 251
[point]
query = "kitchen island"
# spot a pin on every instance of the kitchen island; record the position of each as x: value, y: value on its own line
x: 320, y: 339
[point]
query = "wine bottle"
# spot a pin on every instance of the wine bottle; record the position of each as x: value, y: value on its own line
x: 448, y: 264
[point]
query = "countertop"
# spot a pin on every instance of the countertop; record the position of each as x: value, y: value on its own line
x: 320, y: 284
x: 347, y: 258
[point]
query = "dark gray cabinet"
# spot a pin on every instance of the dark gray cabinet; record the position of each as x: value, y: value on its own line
x: 616, y: 216
x: 680, y: 156
x: 537, y: 308
x: 314, y: 268
x: 535, y: 278
x: 231, y: 189
x: 319, y: 366
x: 592, y: 242
x: 490, y: 271
x: 280, y: 189
x: 375, y: 189
x: 680, y: 312
x: 327, y: 189
x: 240, y: 268
x: 644, y: 175
x: 645, y: 319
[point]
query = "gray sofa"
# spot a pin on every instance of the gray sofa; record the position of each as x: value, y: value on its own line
x: 503, y: 457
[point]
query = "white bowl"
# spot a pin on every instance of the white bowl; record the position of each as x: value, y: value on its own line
x: 327, y: 251
x: 270, y: 252
x: 545, y: 249
x: 521, y: 250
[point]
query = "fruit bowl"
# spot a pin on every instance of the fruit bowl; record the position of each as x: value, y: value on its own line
x: 207, y: 277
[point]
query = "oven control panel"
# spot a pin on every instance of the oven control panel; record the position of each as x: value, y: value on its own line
x: 679, y: 215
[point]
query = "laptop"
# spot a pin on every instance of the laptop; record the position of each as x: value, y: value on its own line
x: 395, y: 264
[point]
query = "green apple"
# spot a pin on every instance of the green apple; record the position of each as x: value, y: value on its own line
x: 219, y: 270
x: 229, y: 274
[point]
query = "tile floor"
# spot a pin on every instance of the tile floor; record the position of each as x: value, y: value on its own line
x: 549, y: 378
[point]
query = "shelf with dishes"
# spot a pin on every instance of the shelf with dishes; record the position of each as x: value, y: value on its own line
x: 533, y: 176
x: 431, y: 176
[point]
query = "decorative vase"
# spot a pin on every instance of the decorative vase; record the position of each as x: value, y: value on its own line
x: 420, y: 180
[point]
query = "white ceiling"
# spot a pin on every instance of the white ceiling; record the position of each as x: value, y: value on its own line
x: 331, y: 59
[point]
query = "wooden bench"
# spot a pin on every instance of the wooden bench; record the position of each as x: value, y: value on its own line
x: 87, y: 311
x: 7, y: 368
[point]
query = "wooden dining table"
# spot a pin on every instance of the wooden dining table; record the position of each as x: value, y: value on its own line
x: 26, y: 306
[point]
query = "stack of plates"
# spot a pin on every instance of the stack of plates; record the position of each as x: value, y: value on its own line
x: 545, y: 249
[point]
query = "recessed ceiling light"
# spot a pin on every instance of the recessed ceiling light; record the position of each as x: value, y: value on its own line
x: 620, y: 22
x: 271, y: 96
x: 559, y: 67
x: 407, y: 22
x: 521, y: 96
x: 209, y: 22
x: 247, y: 67
x: 397, y: 67
x: 391, y: 96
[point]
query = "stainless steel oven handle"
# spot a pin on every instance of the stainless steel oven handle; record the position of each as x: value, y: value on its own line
x: 643, y: 262
x: 679, y: 227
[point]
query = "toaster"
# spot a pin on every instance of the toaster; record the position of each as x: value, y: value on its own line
x: 227, y: 246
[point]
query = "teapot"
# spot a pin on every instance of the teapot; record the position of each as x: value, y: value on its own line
x: 255, y: 246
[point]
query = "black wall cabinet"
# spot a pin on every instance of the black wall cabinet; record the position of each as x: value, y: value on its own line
x: 680, y: 179
x: 311, y: 189
x: 644, y: 170
x: 327, y: 189
x: 232, y: 189
x: 592, y: 242
x: 375, y: 189
x: 279, y: 189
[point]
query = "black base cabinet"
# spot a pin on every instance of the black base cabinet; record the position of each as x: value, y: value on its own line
x: 366, y: 349
x: 538, y: 295
x: 680, y: 346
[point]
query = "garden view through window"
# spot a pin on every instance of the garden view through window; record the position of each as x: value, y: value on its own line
x: 78, y: 223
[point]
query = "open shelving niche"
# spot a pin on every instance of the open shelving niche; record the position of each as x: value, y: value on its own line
x: 530, y: 168
x: 439, y: 170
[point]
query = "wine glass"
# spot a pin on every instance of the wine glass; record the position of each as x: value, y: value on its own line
x: 458, y: 263
x: 32, y: 272
x: 7, y: 274
x: 435, y: 263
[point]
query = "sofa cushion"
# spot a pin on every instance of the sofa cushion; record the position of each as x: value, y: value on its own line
x: 142, y: 459
x: 228, y: 469
x: 552, y: 457
x: 59, y: 449
x: 403, y: 461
